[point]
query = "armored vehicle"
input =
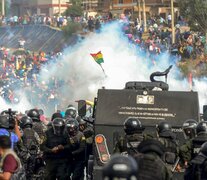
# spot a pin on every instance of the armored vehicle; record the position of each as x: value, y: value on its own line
x: 151, y: 102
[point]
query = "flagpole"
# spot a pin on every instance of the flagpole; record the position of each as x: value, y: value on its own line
x: 103, y: 70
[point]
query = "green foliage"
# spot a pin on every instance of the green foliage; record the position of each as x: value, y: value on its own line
x: 71, y: 28
x: 75, y: 9
x: 195, y: 11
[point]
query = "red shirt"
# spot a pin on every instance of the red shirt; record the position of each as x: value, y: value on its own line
x: 10, y: 164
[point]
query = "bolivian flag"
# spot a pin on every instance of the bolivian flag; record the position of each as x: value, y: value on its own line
x: 98, y: 57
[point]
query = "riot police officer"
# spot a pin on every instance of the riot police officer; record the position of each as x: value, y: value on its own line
x: 54, y: 115
x: 129, y: 171
x: 192, y: 147
x: 71, y: 112
x: 77, y: 143
x: 30, y: 144
x: 151, y: 166
x: 133, y: 136
x: 88, y: 132
x: 29, y: 137
x: 201, y: 137
x: 170, y: 142
x: 38, y: 126
x: 55, y: 149
x: 189, y: 130
x: 198, y: 166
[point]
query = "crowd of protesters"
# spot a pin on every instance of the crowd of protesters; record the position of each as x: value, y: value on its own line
x: 188, y: 44
x: 56, y: 21
x: 21, y: 70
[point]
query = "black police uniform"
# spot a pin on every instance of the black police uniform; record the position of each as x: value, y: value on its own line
x: 201, y: 138
x: 88, y: 132
x: 133, y: 136
x: 128, y: 144
x: 197, y: 169
x: 170, y: 142
x: 77, y: 158
x: 38, y: 126
x: 191, y: 148
x: 28, y: 150
x: 189, y: 131
x: 30, y: 137
x: 151, y: 167
x: 77, y: 142
x: 197, y: 143
x: 55, y: 162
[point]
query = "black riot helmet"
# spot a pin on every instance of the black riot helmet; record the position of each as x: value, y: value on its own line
x: 71, y: 112
x: 120, y: 167
x: 34, y: 114
x: 201, y: 127
x: 132, y: 125
x: 56, y: 115
x: 4, y: 121
x: 203, y: 149
x: 163, y: 126
x: 189, y: 128
x: 26, y: 122
x: 72, y: 126
x: 58, y: 125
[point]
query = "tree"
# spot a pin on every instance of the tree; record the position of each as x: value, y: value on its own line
x: 75, y: 9
x: 195, y: 11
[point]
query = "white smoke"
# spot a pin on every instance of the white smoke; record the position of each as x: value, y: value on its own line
x: 22, y: 106
x: 122, y: 63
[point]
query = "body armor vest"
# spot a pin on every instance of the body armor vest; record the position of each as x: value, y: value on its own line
x: 38, y: 128
x: 53, y: 141
x: 29, y: 138
x: 197, y: 143
x: 151, y: 167
x: 131, y: 142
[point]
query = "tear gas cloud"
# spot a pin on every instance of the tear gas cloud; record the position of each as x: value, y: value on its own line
x: 122, y: 63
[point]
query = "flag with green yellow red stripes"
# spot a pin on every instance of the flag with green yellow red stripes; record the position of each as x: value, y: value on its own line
x: 98, y: 57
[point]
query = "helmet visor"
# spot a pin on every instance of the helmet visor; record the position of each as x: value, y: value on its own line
x: 58, y: 130
x: 189, y: 133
